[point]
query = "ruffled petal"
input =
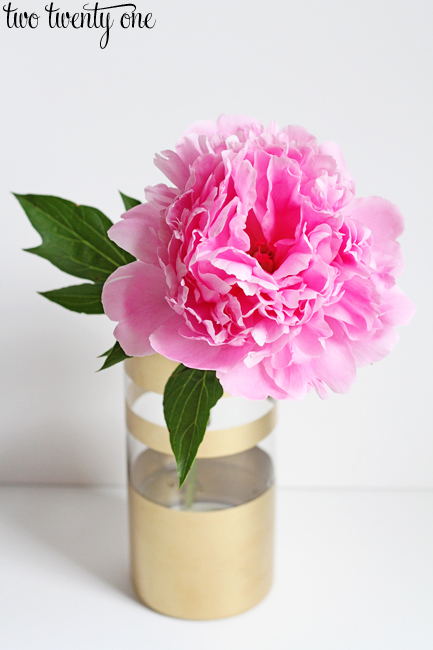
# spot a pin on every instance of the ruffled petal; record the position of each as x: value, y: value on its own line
x: 173, y: 167
x: 337, y: 366
x: 330, y: 148
x: 137, y: 233
x: 134, y: 295
x: 382, y: 217
x: 231, y: 124
x: 399, y: 308
x: 252, y: 383
x: 194, y: 352
x: 375, y: 348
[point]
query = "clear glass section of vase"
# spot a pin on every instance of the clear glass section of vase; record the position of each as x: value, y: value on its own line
x: 212, y: 484
x: 228, y: 412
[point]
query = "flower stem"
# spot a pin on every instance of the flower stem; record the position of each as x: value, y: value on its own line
x: 191, y: 486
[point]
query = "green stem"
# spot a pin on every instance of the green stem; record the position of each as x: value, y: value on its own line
x: 191, y: 486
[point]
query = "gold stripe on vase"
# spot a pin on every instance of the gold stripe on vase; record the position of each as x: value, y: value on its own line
x: 202, y: 565
x: 151, y: 373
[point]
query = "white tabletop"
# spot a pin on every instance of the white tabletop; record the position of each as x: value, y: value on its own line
x: 354, y: 572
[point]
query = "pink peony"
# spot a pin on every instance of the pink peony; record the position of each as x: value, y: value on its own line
x: 259, y: 263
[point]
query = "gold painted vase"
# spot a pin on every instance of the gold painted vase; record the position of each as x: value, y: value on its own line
x: 204, y: 551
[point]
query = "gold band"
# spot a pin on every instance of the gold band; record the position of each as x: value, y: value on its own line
x: 202, y: 565
x: 152, y: 372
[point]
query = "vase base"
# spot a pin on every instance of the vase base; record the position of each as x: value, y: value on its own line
x: 202, y: 564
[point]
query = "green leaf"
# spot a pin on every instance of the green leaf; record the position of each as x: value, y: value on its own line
x: 74, y: 238
x: 114, y: 355
x: 84, y: 298
x: 128, y: 202
x: 189, y: 396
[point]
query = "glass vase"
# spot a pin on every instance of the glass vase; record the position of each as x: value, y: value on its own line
x: 204, y: 551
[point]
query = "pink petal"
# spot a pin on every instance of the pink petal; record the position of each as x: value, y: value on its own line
x: 297, y: 259
x: 294, y: 132
x: 173, y: 167
x: 160, y: 195
x: 134, y: 295
x: 190, y: 146
x: 312, y: 337
x: 330, y: 148
x: 244, y: 176
x: 252, y: 383
x: 137, y: 233
x: 337, y: 366
x: 230, y: 124
x: 194, y: 352
x: 202, y: 127
x: 375, y: 348
x: 399, y: 308
x: 382, y: 217
x: 295, y: 380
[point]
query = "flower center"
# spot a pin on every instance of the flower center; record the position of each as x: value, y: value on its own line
x: 264, y: 256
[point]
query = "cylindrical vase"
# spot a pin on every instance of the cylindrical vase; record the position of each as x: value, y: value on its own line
x: 204, y: 551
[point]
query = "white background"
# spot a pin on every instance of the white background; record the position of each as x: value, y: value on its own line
x: 81, y: 123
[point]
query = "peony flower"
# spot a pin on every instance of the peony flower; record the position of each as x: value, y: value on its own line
x: 259, y: 262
